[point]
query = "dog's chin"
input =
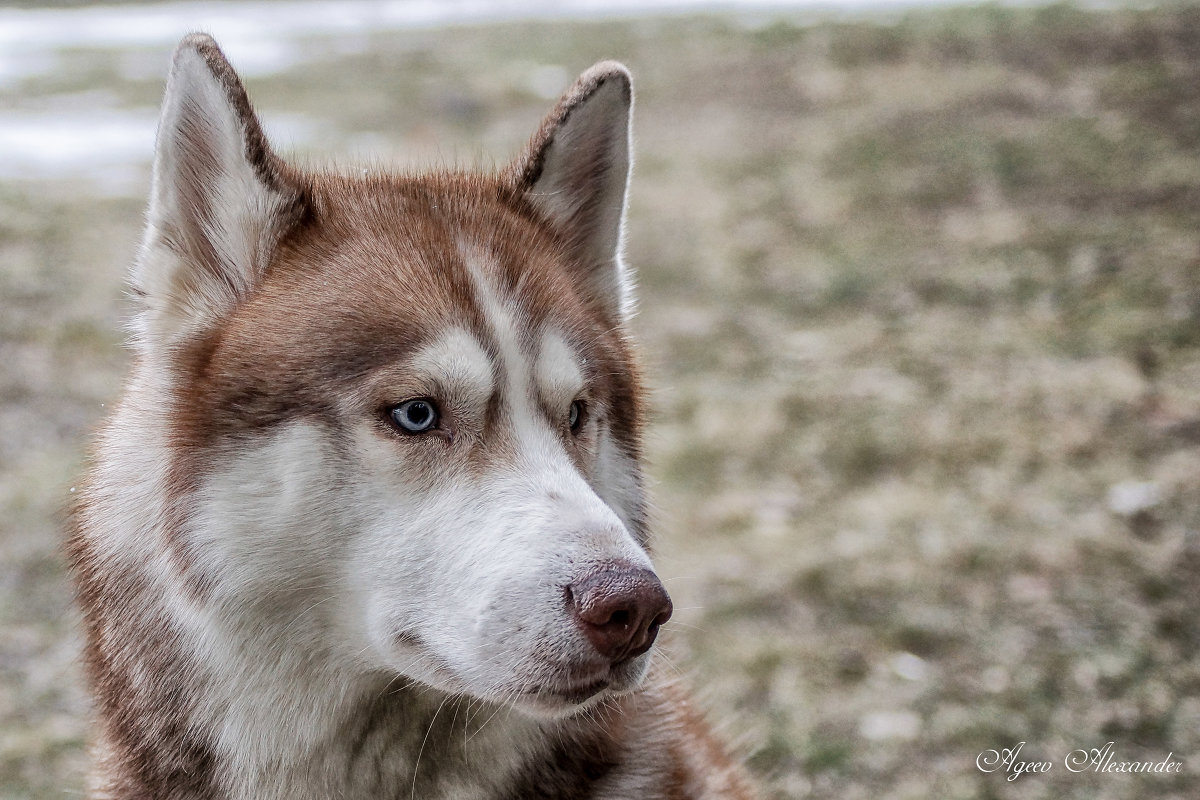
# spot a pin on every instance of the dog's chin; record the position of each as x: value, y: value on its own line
x: 568, y: 696
x: 560, y: 695
x: 547, y: 702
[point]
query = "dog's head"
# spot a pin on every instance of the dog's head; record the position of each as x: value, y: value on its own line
x: 404, y: 418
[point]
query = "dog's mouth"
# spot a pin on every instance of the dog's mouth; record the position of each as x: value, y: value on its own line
x: 568, y: 694
x: 573, y: 694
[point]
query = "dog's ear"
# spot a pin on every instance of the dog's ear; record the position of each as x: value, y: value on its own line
x: 220, y: 202
x: 575, y: 172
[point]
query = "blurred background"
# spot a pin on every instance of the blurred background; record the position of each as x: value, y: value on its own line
x: 920, y: 300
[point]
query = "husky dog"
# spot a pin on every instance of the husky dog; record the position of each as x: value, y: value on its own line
x: 369, y: 520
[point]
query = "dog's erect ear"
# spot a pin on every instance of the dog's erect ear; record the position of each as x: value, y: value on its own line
x: 575, y: 172
x: 221, y: 199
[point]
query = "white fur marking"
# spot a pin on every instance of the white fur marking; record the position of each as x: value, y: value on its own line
x: 457, y: 362
x: 559, y: 371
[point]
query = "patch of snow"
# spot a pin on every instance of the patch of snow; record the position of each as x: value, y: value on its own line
x: 109, y: 148
x: 1132, y: 497
x: 880, y: 725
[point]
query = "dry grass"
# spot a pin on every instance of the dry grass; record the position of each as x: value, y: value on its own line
x: 916, y: 296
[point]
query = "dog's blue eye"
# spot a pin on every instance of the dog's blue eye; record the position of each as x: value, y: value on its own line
x: 415, y: 416
x: 575, y: 415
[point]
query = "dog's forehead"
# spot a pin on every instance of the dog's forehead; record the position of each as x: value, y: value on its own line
x: 421, y: 274
x: 421, y: 247
x: 532, y: 353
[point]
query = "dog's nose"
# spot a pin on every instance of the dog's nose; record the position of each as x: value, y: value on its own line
x: 620, y: 609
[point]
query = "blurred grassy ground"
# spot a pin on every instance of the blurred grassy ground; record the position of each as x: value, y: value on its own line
x: 921, y: 300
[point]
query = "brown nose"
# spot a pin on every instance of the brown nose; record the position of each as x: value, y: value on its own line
x: 620, y: 609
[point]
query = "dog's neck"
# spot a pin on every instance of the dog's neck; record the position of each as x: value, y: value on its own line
x: 387, y: 739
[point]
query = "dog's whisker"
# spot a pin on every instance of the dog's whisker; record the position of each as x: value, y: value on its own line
x: 421, y: 750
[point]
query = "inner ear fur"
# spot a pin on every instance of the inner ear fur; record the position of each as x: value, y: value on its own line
x: 575, y: 172
x: 221, y: 199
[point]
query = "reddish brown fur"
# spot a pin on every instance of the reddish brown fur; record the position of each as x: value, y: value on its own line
x: 141, y: 749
